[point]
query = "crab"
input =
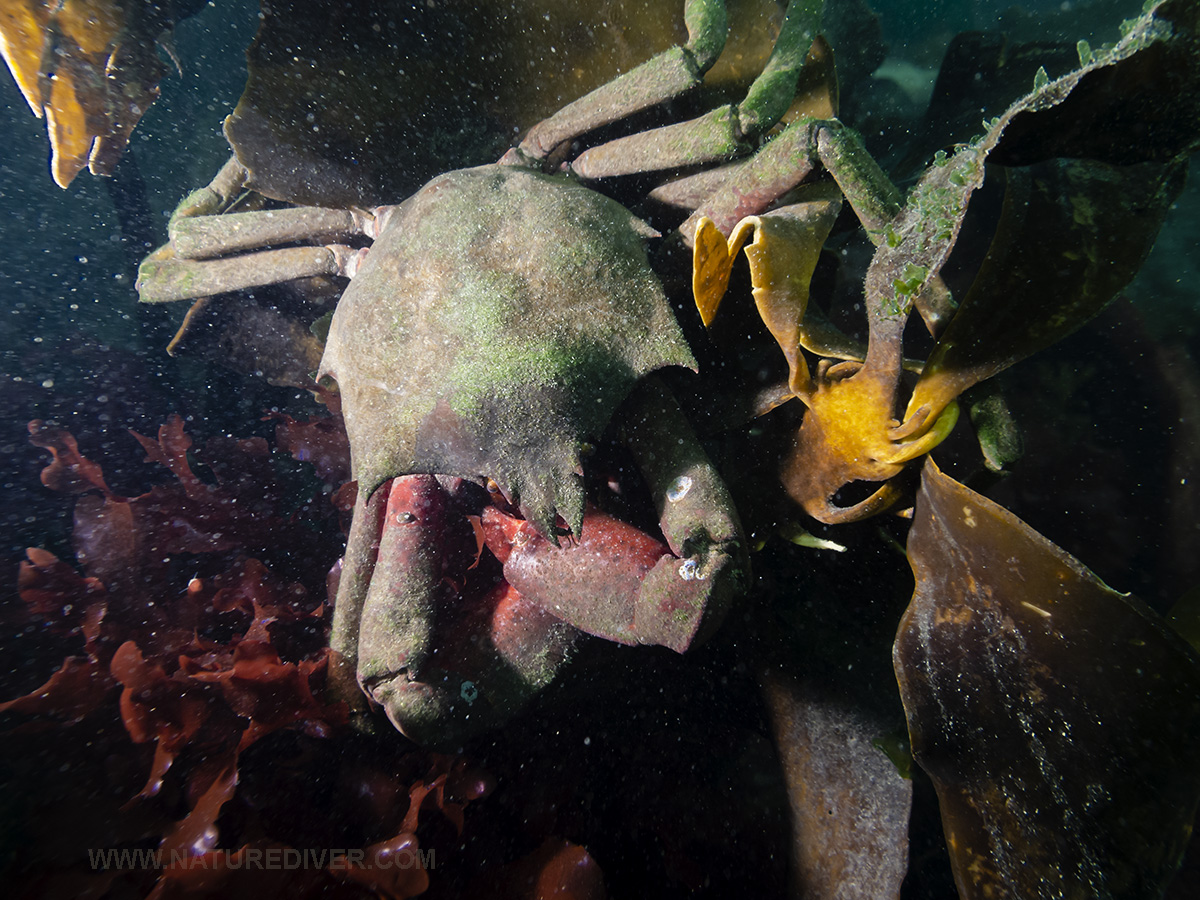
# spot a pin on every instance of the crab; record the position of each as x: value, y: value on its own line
x: 502, y: 320
x: 502, y: 382
x: 477, y: 357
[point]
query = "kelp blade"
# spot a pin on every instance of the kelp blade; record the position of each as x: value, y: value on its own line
x: 1057, y: 718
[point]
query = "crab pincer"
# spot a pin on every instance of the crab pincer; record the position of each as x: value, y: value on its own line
x: 620, y: 583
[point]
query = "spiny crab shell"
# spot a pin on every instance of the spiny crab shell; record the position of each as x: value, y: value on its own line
x: 476, y: 341
x: 500, y: 320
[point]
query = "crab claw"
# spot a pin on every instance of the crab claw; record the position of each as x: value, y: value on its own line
x: 450, y: 640
x: 596, y: 582
x: 445, y: 653
x: 616, y: 582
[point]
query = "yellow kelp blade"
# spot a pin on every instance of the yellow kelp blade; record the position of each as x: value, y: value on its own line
x: 908, y: 450
x: 783, y: 255
x: 23, y: 42
x: 74, y: 116
x: 90, y: 67
x: 712, y: 262
x: 787, y: 244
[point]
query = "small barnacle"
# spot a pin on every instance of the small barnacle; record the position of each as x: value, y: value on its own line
x: 679, y: 488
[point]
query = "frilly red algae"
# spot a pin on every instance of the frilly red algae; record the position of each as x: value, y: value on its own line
x: 77, y: 688
x: 206, y: 666
x: 70, y: 472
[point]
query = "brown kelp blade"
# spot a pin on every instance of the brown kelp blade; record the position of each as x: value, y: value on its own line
x: 1057, y: 718
x: 357, y: 106
x: 1086, y: 195
x: 1072, y: 234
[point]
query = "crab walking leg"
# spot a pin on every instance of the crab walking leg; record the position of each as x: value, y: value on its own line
x: 218, y: 195
x: 667, y: 75
x: 757, y: 182
x: 167, y: 280
x: 203, y: 237
x: 869, y: 191
x: 783, y: 163
x: 877, y: 203
x: 724, y: 132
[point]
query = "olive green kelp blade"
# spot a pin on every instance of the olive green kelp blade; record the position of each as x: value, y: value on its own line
x: 1086, y: 195
x: 493, y: 330
x: 1072, y: 234
x: 1058, y: 719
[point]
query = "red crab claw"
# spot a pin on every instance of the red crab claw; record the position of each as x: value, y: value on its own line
x: 614, y: 581
x: 446, y: 649
x: 619, y: 583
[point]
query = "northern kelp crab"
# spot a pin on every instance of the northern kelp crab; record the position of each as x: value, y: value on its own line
x: 502, y: 379
x: 456, y: 356
x: 498, y: 323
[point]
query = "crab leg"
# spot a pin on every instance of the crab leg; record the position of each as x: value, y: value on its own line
x: 759, y: 181
x: 615, y: 581
x: 227, y: 186
x: 203, y: 237
x: 166, y: 280
x: 723, y: 132
x: 667, y: 75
